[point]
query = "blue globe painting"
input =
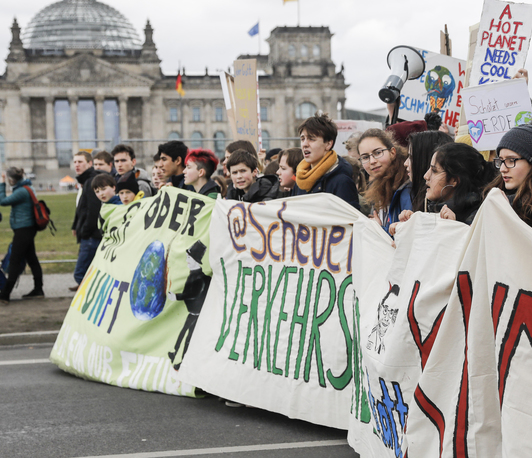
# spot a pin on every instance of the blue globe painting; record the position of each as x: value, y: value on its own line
x: 148, y: 288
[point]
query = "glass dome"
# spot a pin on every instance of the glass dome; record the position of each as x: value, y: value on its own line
x: 75, y: 24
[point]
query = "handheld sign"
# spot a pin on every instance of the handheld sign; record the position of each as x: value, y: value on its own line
x: 493, y: 109
x: 246, y: 116
x: 346, y: 128
x: 438, y: 89
x: 228, y: 89
x: 502, y: 43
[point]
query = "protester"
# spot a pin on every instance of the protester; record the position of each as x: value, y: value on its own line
x: 103, y: 161
x: 456, y: 176
x: 289, y: 159
x: 222, y: 182
x: 359, y: 177
x: 515, y: 164
x: 389, y: 188
x: 172, y: 163
x: 271, y: 168
x: 420, y: 151
x: 125, y: 161
x: 271, y: 156
x: 128, y: 188
x: 321, y: 169
x: 244, y: 168
x: 200, y: 164
x: 22, y: 221
x: 85, y: 225
x: 231, y: 148
x: 104, y: 186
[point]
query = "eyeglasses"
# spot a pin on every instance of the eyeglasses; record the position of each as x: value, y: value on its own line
x: 376, y: 154
x: 509, y: 162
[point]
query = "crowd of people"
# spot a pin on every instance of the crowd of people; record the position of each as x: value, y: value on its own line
x: 388, y: 175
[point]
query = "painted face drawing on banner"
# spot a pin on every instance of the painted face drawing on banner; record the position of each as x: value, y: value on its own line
x: 440, y: 86
x: 386, y: 316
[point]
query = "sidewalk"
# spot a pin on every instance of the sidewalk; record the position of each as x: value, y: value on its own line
x: 28, y: 321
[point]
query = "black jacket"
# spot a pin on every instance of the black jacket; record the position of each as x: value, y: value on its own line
x: 210, y: 189
x: 465, y: 213
x: 338, y: 181
x: 88, y: 210
x: 264, y: 188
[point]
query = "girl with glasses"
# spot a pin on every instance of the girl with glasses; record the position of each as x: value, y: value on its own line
x: 515, y: 164
x: 389, y: 187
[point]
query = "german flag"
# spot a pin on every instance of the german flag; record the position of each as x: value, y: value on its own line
x: 179, y: 85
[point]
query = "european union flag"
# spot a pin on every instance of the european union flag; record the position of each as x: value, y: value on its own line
x: 254, y: 30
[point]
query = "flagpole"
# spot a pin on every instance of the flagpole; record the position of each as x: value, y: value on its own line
x: 298, y: 16
x: 258, y: 22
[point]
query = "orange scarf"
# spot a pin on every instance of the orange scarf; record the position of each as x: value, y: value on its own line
x: 306, y: 177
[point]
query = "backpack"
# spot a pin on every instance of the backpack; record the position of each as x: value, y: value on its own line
x: 42, y: 213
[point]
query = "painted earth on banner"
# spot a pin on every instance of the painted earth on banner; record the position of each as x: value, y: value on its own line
x: 134, y: 313
x: 276, y: 331
x: 444, y: 345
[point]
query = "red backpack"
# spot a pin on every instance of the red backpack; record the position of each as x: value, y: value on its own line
x: 42, y: 213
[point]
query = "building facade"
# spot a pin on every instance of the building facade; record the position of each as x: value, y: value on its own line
x: 79, y: 77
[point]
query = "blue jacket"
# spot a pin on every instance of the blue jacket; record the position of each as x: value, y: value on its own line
x: 401, y: 200
x: 22, y: 206
x: 338, y: 181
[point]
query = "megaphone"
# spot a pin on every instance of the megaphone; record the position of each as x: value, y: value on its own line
x: 406, y: 64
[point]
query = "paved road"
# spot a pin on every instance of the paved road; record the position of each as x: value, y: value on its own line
x: 48, y: 413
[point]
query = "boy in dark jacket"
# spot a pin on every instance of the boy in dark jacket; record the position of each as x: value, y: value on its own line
x: 244, y: 167
x: 322, y: 170
x: 200, y: 164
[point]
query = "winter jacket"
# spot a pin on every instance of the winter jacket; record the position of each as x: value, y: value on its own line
x: 87, y: 212
x: 143, y: 180
x: 338, y: 180
x: 466, y: 213
x: 401, y: 200
x: 210, y: 189
x: 22, y: 206
x: 264, y: 188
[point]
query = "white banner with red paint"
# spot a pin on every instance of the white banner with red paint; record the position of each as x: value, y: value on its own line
x: 444, y: 337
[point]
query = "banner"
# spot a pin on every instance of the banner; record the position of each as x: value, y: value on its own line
x: 502, y: 43
x: 276, y: 331
x: 493, y: 109
x: 133, y: 315
x: 228, y: 90
x: 401, y: 296
x: 438, y: 89
x: 247, y: 101
x: 444, y: 358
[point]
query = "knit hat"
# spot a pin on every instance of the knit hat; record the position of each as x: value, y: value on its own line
x: 519, y: 140
x: 402, y: 130
x: 128, y: 181
x: 467, y: 140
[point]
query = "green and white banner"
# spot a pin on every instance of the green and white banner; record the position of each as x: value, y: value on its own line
x: 276, y: 331
x: 134, y: 313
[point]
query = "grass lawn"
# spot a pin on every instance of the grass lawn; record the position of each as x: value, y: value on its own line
x: 62, y: 246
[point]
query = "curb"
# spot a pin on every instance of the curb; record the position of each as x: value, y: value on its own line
x: 26, y: 338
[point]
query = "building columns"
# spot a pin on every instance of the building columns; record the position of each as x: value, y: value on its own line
x: 122, y: 102
x: 146, y: 127
x: 26, y: 150
x: 100, y: 121
x: 51, y: 162
x: 73, y: 102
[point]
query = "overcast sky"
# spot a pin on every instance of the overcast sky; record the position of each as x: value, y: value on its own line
x: 213, y: 33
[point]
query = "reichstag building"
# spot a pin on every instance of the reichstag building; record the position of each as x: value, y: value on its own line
x: 79, y: 77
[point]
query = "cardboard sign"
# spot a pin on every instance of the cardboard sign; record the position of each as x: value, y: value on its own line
x: 502, y: 43
x: 228, y: 89
x: 438, y: 89
x: 346, y: 128
x: 246, y: 115
x: 493, y: 109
